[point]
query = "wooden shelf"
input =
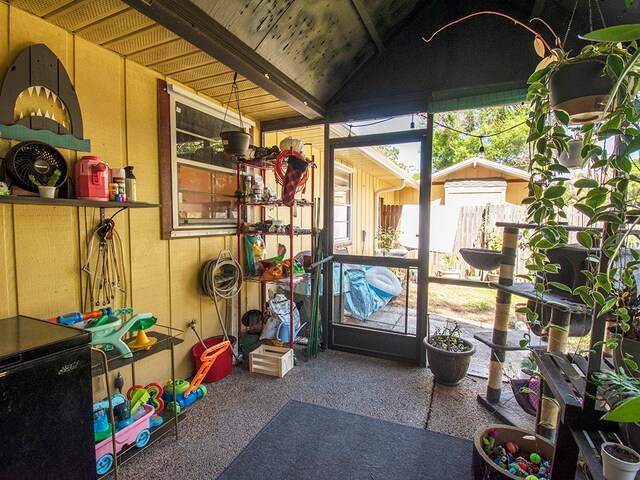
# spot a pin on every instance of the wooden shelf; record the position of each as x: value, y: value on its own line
x: 512, y: 343
x: 116, y: 360
x: 71, y: 202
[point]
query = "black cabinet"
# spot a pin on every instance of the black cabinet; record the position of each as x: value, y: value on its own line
x: 46, y: 420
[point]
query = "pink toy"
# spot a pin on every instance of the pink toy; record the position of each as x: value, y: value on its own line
x: 135, y: 434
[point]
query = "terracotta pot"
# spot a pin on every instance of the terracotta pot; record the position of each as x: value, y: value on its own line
x: 448, y: 368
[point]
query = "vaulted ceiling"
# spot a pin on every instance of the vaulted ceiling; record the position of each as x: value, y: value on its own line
x: 306, y: 60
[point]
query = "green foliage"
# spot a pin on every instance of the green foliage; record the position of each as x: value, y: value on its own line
x: 510, y: 148
x: 52, y: 180
x: 622, y: 393
x: 608, y: 194
x: 387, y: 239
x: 448, y: 338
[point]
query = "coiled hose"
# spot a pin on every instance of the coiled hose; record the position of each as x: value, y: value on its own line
x: 222, y: 278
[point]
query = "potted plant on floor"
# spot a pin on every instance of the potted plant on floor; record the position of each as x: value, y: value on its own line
x: 448, y: 355
x: 387, y: 239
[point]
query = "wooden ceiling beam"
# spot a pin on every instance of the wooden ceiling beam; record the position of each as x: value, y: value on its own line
x: 368, y: 23
x: 196, y: 27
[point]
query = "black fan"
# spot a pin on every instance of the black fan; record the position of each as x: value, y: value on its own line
x: 36, y: 160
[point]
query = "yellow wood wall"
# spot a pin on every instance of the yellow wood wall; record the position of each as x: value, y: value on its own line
x: 42, y: 248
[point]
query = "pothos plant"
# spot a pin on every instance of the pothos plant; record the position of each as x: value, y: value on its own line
x: 610, y: 146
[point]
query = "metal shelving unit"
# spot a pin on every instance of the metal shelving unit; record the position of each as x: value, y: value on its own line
x: 104, y: 362
x: 265, y: 165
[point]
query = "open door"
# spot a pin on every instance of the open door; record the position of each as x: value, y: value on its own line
x: 379, y: 301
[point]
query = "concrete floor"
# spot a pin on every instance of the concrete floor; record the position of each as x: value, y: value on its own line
x: 236, y: 408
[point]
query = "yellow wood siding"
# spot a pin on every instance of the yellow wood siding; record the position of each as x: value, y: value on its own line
x: 42, y: 248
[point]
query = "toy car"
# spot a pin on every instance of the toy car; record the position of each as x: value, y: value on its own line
x: 137, y: 434
x: 174, y: 397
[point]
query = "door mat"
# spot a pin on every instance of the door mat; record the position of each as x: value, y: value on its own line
x: 307, y: 441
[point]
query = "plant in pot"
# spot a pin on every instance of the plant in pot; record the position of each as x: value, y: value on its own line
x: 387, y: 239
x: 448, y: 354
x: 48, y: 190
x: 449, y: 270
x: 622, y: 394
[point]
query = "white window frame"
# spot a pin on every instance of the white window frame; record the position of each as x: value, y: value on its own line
x: 349, y: 171
x: 177, y: 94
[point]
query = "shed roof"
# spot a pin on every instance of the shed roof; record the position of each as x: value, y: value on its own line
x: 475, y: 161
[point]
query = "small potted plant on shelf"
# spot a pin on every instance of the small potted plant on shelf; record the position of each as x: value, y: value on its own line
x: 622, y: 394
x: 449, y: 355
x: 48, y: 190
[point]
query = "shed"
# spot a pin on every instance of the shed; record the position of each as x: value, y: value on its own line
x: 478, y: 181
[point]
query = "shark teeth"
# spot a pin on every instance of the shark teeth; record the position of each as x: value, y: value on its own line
x: 53, y: 104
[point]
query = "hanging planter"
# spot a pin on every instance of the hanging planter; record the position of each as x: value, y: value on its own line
x: 573, y: 157
x: 580, y: 89
x: 234, y: 142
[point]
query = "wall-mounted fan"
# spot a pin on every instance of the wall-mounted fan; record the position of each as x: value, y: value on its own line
x: 36, y: 160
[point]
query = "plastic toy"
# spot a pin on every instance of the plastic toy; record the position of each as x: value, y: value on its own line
x: 75, y: 317
x: 142, y: 341
x: 137, y: 433
x: 108, y: 330
x: 153, y: 390
x: 180, y: 394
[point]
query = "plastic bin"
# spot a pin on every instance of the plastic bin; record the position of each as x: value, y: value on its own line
x: 223, y: 364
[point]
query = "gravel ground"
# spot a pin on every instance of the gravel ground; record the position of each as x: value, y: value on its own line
x: 236, y: 408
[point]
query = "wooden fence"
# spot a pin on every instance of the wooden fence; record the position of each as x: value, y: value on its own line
x: 477, y: 229
x: 390, y: 217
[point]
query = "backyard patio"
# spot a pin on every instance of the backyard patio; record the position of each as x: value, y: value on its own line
x: 233, y: 233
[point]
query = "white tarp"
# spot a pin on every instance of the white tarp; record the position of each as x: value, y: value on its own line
x: 444, y: 224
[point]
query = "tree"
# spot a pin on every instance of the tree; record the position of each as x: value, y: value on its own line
x: 451, y: 145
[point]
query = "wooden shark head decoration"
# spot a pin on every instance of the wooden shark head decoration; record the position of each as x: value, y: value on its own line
x: 37, y: 97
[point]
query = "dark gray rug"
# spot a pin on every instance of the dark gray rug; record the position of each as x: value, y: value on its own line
x: 306, y: 441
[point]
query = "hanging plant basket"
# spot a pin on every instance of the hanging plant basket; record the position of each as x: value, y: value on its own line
x: 572, y: 158
x: 235, y: 142
x: 581, y: 89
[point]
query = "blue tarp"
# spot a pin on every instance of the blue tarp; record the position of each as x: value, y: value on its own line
x: 359, y: 298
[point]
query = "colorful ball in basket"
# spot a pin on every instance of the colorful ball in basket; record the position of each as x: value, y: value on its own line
x: 223, y: 364
x: 484, y: 467
x: 383, y: 281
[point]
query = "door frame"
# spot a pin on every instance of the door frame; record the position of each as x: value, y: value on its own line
x: 357, y: 339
